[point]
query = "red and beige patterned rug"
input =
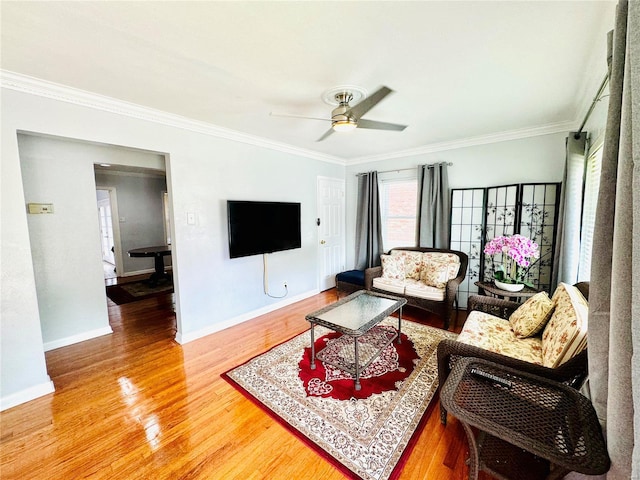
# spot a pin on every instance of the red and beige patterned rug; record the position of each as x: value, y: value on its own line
x: 367, y: 434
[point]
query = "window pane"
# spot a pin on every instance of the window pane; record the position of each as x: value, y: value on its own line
x: 591, y: 187
x: 398, y: 203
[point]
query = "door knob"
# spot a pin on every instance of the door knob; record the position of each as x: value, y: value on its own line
x: 322, y: 242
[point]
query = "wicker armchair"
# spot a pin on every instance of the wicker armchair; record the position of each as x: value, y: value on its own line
x: 573, y: 372
x: 529, y: 427
x: 442, y: 308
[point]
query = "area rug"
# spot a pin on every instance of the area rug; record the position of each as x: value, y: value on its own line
x: 134, y: 291
x: 367, y: 434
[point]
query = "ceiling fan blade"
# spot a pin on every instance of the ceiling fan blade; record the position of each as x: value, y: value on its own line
x: 368, y: 103
x: 326, y: 134
x: 362, y: 123
x: 298, y: 116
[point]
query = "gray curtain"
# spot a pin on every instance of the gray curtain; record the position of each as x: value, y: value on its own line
x: 614, y: 297
x: 566, y: 260
x: 433, y: 206
x: 368, y: 222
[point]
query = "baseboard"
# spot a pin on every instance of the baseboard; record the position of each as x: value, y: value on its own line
x: 26, y: 395
x: 191, y: 336
x: 81, y: 337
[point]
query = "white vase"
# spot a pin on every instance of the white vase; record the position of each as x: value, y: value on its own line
x: 509, y: 287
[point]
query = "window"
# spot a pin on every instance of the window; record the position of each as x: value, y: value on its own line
x: 398, y: 205
x: 591, y: 188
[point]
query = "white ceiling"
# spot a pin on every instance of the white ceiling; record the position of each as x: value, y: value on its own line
x: 460, y: 70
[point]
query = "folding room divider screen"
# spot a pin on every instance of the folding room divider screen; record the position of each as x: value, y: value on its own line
x: 480, y: 214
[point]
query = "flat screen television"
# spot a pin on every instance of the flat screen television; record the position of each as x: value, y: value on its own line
x: 262, y: 227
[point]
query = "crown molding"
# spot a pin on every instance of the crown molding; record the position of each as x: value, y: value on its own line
x: 43, y: 88
x: 560, y: 127
x: 35, y: 86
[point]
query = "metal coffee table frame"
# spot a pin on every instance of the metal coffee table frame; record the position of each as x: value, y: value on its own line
x: 340, y: 318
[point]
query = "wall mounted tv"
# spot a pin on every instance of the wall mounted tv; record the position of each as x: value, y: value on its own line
x: 262, y: 227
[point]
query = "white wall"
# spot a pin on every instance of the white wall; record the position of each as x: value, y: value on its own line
x: 23, y: 373
x: 597, y: 121
x: 534, y: 159
x: 65, y: 245
x: 203, y: 171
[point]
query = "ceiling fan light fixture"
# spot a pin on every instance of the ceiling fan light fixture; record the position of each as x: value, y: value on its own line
x: 344, y: 125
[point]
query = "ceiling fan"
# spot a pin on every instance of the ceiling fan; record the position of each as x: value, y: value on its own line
x: 345, y: 117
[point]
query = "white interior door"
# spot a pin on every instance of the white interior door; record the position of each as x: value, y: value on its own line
x: 109, y: 226
x: 106, y: 230
x: 331, y: 230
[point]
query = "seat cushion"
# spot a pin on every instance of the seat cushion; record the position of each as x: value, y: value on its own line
x: 392, y: 267
x: 532, y: 315
x: 412, y: 262
x: 417, y: 288
x: 393, y: 285
x: 494, y: 334
x: 355, y: 277
x: 566, y: 333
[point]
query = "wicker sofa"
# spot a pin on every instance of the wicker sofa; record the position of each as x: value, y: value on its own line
x: 557, y: 351
x: 427, y: 277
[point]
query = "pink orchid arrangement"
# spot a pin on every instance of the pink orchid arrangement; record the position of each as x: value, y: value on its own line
x: 517, y: 252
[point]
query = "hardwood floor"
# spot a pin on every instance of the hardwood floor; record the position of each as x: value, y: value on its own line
x: 136, y: 405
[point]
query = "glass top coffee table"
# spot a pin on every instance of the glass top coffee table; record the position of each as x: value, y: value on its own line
x: 354, y: 316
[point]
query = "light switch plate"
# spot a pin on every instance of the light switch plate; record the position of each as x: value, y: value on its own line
x: 191, y: 218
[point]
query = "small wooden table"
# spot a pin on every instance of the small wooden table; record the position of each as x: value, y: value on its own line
x: 491, y: 288
x: 158, y: 253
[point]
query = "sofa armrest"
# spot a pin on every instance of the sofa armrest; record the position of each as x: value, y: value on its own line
x: 451, y: 288
x: 370, y: 274
x: 495, y: 306
x: 572, y: 373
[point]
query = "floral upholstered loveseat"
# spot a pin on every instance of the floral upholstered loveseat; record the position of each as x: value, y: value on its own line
x: 427, y: 277
x: 544, y: 336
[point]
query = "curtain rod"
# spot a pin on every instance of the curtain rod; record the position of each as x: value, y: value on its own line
x: 450, y: 164
x: 593, y: 105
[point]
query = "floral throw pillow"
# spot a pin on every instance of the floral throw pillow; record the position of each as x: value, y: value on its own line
x: 412, y: 262
x: 531, y: 316
x: 392, y: 267
x: 435, y: 274
x: 566, y: 333
x: 438, y: 268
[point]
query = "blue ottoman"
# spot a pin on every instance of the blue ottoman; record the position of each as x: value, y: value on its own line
x: 349, y: 282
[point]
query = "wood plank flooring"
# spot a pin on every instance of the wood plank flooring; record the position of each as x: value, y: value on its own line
x: 136, y: 405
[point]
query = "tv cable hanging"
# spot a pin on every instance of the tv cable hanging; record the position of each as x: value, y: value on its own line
x: 265, y: 279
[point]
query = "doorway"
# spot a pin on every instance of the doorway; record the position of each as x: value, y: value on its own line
x: 109, y: 227
x: 66, y: 246
x: 140, y: 216
x: 105, y: 224
x: 331, y: 230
